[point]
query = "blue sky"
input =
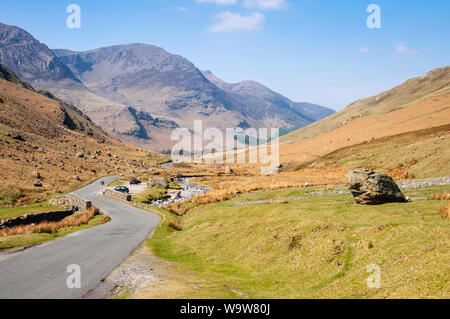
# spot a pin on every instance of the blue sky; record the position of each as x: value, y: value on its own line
x: 318, y: 51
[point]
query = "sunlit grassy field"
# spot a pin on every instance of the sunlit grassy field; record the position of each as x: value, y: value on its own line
x: 13, y: 241
x: 17, y: 211
x: 310, y: 248
x: 422, y: 153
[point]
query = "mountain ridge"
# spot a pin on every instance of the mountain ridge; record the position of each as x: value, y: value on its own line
x: 310, y: 111
x: 114, y: 84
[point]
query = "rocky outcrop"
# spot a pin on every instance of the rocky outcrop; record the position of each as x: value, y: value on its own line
x: 271, y: 170
x: 29, y: 59
x: 158, y: 182
x: 371, y: 188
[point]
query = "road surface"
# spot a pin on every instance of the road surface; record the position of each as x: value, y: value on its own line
x: 41, y: 272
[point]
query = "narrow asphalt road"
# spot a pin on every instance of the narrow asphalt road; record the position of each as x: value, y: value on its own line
x: 41, y: 272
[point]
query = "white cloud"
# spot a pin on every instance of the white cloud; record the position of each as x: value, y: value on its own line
x: 229, y: 21
x: 363, y: 50
x: 266, y: 4
x: 222, y: 2
x: 401, y: 48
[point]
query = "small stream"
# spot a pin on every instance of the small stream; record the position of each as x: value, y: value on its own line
x: 189, y: 190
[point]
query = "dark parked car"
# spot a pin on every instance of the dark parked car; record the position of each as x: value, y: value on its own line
x: 122, y: 189
x: 134, y: 181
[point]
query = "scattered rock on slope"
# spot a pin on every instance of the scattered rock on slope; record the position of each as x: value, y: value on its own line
x: 370, y: 188
x: 37, y: 183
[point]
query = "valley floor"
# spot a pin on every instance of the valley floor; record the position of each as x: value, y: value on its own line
x: 305, y: 246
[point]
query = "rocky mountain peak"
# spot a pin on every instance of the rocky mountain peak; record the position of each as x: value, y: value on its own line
x: 29, y: 59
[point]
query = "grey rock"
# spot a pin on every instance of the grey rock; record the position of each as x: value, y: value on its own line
x: 18, y: 137
x: 158, y: 182
x: 371, y: 188
x: 37, y: 183
x: 271, y: 170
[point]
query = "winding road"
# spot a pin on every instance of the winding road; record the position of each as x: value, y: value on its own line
x: 41, y: 272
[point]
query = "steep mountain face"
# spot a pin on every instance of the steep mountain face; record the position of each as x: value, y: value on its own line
x: 31, y: 60
x: 260, y: 94
x: 35, y: 63
x: 152, y: 80
x: 140, y: 93
x: 148, y: 79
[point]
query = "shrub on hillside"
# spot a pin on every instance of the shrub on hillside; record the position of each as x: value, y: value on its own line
x: 445, y: 211
x: 444, y: 196
x: 175, y: 225
x: 176, y: 209
x: 10, y: 195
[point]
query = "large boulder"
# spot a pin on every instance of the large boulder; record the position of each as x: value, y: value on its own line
x: 370, y: 188
x: 158, y: 182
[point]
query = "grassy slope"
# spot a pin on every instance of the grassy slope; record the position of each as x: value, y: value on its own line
x: 12, y: 212
x: 150, y: 194
x: 312, y: 248
x: 434, y: 83
x: 50, y: 147
x: 417, y: 105
x: 38, y: 238
x: 421, y: 116
x: 422, y: 153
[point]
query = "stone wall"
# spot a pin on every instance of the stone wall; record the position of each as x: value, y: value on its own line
x: 117, y: 195
x: 36, y: 218
x: 70, y: 201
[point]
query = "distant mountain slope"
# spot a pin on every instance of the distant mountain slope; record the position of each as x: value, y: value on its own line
x: 154, y: 81
x: 436, y: 82
x: 420, y: 104
x: 39, y: 133
x: 252, y: 89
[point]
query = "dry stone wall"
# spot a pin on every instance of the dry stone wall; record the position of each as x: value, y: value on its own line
x: 117, y: 195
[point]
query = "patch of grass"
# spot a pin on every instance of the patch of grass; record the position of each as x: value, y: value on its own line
x: 10, y: 195
x: 118, y: 182
x: 277, y: 202
x: 38, y: 238
x: 174, y: 186
x: 17, y: 211
x: 421, y: 154
x: 150, y: 194
x: 313, y: 248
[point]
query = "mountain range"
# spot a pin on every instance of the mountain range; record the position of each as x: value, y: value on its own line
x: 140, y: 93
